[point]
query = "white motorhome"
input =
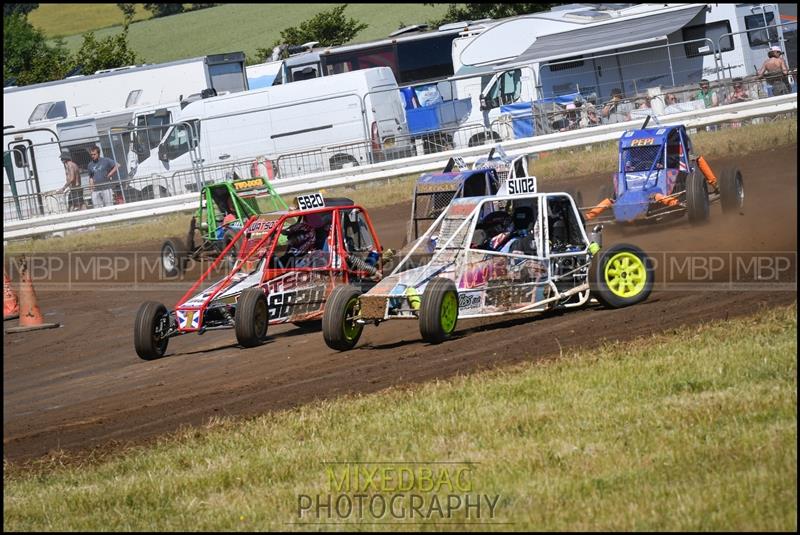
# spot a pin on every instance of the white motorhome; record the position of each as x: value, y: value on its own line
x: 315, y: 125
x: 592, y: 49
x: 125, y: 87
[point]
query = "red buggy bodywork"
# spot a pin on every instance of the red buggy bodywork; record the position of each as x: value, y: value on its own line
x: 295, y: 287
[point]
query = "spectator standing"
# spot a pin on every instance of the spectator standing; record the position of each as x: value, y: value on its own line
x: 709, y: 97
x: 616, y: 110
x: 73, y: 173
x: 100, y: 172
x: 775, y: 72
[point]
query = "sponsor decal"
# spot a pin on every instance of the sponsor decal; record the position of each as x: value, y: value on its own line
x: 468, y: 301
x: 643, y: 141
x: 248, y: 183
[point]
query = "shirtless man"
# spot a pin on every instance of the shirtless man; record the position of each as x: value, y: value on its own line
x: 73, y: 183
x: 774, y: 71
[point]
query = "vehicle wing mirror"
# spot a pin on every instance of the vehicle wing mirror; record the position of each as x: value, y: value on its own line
x: 162, y: 153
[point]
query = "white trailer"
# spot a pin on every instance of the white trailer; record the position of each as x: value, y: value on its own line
x: 578, y: 48
x: 118, y: 89
x: 309, y: 126
x: 32, y: 155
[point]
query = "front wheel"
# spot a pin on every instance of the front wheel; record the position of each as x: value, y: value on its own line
x: 620, y: 276
x: 438, y: 312
x: 252, y: 317
x: 340, y: 329
x: 150, y: 330
x: 731, y: 190
x: 697, y: 197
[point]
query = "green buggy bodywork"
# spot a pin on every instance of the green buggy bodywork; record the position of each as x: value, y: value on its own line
x: 224, y: 207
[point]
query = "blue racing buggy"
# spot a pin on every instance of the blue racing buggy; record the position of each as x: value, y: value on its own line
x: 434, y: 192
x: 658, y: 178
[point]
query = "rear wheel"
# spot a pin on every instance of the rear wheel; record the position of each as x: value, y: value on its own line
x: 621, y: 276
x: 173, y: 257
x: 438, y: 312
x: 251, y: 318
x: 150, y: 329
x: 339, y: 328
x: 697, y: 197
x: 731, y: 190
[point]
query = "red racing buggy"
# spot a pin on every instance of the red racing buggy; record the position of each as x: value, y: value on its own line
x: 288, y: 264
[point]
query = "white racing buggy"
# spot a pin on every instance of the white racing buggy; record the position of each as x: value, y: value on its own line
x: 516, y: 252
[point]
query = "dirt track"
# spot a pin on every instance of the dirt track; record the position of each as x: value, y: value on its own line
x: 82, y: 385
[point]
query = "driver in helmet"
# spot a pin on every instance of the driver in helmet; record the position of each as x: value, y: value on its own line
x: 301, y: 238
x: 498, y: 227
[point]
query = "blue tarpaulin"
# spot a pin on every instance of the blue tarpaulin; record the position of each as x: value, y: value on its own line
x: 521, y: 118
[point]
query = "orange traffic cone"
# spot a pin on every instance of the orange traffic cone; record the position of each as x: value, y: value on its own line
x: 30, y: 317
x: 10, y: 301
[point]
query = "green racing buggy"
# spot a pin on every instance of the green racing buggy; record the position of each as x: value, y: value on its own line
x: 224, y: 207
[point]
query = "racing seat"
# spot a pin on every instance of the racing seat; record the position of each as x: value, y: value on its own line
x: 523, y: 219
x: 559, y: 233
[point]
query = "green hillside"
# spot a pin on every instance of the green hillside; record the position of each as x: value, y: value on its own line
x: 60, y: 20
x: 226, y: 28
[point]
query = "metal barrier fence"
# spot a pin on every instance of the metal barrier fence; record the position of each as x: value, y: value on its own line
x: 732, y: 116
x: 455, y: 127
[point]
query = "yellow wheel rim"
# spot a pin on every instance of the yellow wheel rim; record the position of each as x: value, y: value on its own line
x: 625, y: 274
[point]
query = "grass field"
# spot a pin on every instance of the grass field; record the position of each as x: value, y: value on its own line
x: 225, y: 28
x: 562, y: 164
x: 695, y: 429
x: 61, y: 20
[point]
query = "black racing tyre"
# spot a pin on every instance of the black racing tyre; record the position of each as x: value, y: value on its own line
x: 227, y: 238
x: 697, y: 197
x: 152, y: 320
x: 731, y: 190
x: 438, y: 313
x: 339, y: 329
x: 621, y: 275
x: 252, y: 317
x: 173, y: 257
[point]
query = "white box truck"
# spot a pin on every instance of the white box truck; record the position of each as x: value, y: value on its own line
x: 315, y: 125
x: 125, y: 87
